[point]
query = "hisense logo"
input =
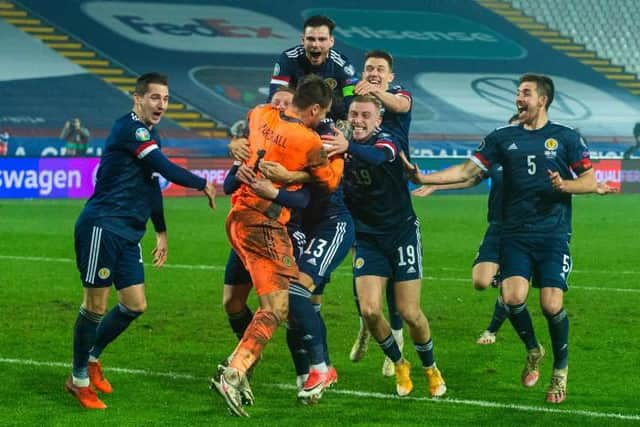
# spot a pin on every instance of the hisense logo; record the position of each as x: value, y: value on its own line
x: 455, y: 36
x: 419, y: 34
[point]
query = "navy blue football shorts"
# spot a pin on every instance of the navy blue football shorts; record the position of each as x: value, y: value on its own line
x: 545, y: 260
x: 104, y: 258
x: 328, y: 243
x: 489, y: 250
x: 236, y: 274
x: 396, y: 255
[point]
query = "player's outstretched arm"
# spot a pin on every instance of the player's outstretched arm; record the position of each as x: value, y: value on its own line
x: 583, y: 184
x: 425, y: 190
x: 455, y: 174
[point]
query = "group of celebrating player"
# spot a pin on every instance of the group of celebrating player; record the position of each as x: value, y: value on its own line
x: 307, y: 190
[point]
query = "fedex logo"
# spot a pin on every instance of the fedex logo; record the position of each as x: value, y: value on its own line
x: 204, y: 27
x: 192, y: 28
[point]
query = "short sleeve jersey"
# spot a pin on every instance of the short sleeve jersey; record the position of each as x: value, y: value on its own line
x: 377, y: 195
x: 530, y: 204
x: 292, y: 66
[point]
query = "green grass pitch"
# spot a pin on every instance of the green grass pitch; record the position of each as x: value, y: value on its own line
x: 160, y: 366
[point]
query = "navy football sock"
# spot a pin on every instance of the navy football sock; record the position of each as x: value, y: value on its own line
x: 299, y: 353
x: 301, y: 309
x: 559, y: 332
x: 240, y: 321
x: 500, y: 314
x: 425, y: 351
x: 113, y: 324
x: 323, y: 328
x: 390, y: 348
x: 521, y: 321
x: 84, y: 336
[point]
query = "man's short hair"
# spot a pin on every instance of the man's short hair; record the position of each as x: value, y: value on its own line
x: 143, y: 82
x: 316, y: 21
x: 368, y: 98
x: 544, y: 86
x: 382, y: 54
x: 287, y: 89
x: 312, y: 90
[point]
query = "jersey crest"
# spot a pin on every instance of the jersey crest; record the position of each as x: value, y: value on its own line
x: 142, y: 135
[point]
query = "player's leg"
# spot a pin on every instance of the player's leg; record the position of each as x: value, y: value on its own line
x: 516, y: 263
x: 237, y: 285
x: 485, y: 266
x: 302, y: 313
x: 332, y: 373
x: 328, y: 244
x: 405, y: 253
x: 128, y: 276
x: 93, y: 256
x: 395, y: 321
x: 553, y: 272
x: 483, y: 274
x: 360, y: 345
x: 265, y: 249
x: 295, y: 334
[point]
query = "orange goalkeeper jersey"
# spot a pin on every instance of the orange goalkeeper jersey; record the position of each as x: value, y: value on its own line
x: 286, y: 140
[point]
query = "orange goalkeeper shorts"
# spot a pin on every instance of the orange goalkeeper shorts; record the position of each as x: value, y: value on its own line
x: 264, y: 247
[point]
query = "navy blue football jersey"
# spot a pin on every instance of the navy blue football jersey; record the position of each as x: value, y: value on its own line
x: 377, y: 195
x: 494, y: 203
x: 530, y: 203
x: 292, y: 66
x: 397, y: 124
x: 324, y: 205
x: 122, y: 200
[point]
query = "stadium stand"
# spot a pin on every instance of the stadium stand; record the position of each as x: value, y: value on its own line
x: 459, y: 59
x: 609, y: 31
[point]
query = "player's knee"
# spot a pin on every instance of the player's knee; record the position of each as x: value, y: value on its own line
x: 95, y: 306
x: 412, y: 315
x: 136, y: 306
x: 280, y: 309
x: 371, y: 312
x: 480, y: 283
x: 551, y: 308
x: 281, y: 312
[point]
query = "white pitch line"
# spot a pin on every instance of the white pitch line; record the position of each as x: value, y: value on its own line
x: 366, y: 394
x: 221, y: 268
x: 572, y: 271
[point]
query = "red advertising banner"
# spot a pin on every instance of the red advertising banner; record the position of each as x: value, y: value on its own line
x: 621, y: 174
x: 212, y: 169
